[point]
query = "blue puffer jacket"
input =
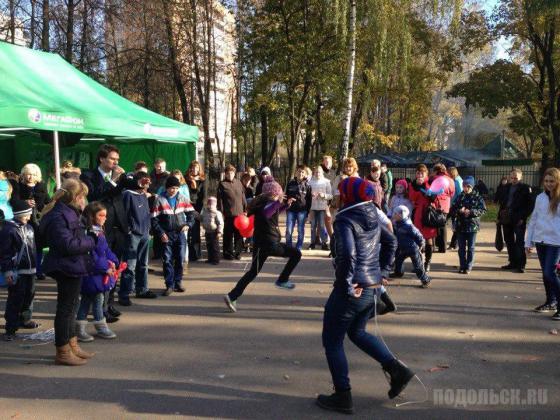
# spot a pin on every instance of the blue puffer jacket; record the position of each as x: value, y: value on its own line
x: 69, y: 246
x: 101, y: 256
x: 387, y: 252
x: 409, y: 237
x: 357, y: 233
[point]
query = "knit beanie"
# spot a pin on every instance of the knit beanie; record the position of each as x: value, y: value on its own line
x: 469, y: 180
x: 402, y: 183
x: 265, y: 170
x: 172, y: 182
x: 355, y: 190
x: 403, y: 211
x: 271, y: 187
x: 21, y: 208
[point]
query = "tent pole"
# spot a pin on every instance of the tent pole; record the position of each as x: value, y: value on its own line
x: 56, y: 159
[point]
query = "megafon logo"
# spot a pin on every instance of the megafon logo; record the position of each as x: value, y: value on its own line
x: 34, y: 115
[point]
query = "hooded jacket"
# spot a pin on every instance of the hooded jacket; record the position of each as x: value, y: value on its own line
x: 69, y: 246
x: 409, y: 237
x: 357, y: 233
x: 101, y: 256
x: 16, y: 237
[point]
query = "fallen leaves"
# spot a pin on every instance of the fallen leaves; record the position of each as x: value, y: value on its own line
x: 438, y: 368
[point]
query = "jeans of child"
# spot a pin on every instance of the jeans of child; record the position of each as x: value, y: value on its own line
x: 549, y: 256
x: 291, y: 218
x: 345, y: 314
x: 514, y: 237
x: 259, y: 257
x: 19, y: 305
x: 213, y: 247
x: 417, y: 263
x: 68, y: 298
x: 318, y: 227
x: 136, y: 256
x: 174, y: 259
x: 465, y: 245
x: 93, y: 301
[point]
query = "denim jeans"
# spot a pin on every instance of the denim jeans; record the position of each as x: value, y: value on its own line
x: 549, y: 256
x: 95, y: 301
x: 466, y: 244
x: 68, y: 297
x: 136, y: 256
x: 417, y: 263
x: 345, y: 314
x: 318, y: 227
x: 19, y: 305
x: 259, y: 257
x: 291, y: 218
x: 174, y: 259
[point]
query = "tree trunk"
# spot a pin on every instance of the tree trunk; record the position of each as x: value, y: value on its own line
x: 264, y: 135
x: 33, y: 24
x: 349, y: 83
x: 45, y: 44
x: 173, y: 62
x: 12, y: 23
x: 69, y: 31
x: 84, y: 37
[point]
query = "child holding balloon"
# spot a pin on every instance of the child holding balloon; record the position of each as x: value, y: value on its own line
x: 212, y: 221
x: 266, y: 209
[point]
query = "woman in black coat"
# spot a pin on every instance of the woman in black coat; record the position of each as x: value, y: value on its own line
x: 195, y: 180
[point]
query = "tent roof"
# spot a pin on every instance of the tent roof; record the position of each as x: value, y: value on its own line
x: 41, y: 91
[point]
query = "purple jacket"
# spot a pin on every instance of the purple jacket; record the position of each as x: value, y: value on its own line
x: 69, y: 246
x: 101, y: 255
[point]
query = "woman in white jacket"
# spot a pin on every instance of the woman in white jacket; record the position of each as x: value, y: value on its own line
x: 321, y: 193
x: 543, y: 233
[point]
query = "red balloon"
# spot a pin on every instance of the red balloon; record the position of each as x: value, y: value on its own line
x: 251, y: 222
x: 241, y: 222
x: 247, y: 233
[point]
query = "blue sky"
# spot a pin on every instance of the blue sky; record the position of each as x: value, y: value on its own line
x: 502, y: 44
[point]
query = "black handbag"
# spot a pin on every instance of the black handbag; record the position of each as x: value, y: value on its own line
x: 434, y: 218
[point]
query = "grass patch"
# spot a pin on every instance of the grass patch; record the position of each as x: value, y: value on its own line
x: 491, y: 212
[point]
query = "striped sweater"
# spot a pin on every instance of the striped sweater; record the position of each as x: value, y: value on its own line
x: 166, y: 219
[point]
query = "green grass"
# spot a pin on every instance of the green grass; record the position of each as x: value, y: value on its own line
x: 491, y: 213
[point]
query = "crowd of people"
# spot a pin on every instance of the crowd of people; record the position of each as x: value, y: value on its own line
x: 102, y: 225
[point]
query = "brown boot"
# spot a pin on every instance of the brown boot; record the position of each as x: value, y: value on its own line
x: 78, y: 351
x: 64, y: 356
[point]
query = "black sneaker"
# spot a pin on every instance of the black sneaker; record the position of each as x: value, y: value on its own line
x: 389, y: 304
x: 312, y: 246
x: 325, y: 247
x: 124, y: 302
x: 114, y: 311
x: 519, y: 270
x: 148, y: 294
x: 339, y: 401
x: 556, y: 316
x: 167, y: 292
x: 29, y: 325
x: 179, y: 289
x: 507, y: 267
x: 396, y: 275
x: 41, y: 276
x: 399, y: 375
x: 546, y: 308
x: 110, y: 319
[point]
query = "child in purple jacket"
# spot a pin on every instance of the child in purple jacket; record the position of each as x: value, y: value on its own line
x: 102, y: 278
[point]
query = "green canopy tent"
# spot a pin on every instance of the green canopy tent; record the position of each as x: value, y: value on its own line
x: 46, y: 104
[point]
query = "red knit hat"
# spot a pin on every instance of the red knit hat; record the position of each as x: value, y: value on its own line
x: 356, y: 190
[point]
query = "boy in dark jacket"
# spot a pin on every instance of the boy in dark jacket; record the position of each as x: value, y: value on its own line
x: 299, y: 200
x: 137, y: 247
x: 411, y: 242
x: 172, y: 215
x: 18, y: 256
x: 266, y: 209
x: 467, y: 210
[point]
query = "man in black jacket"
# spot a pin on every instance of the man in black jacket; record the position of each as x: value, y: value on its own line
x: 299, y: 200
x: 516, y: 204
x: 232, y: 203
x: 105, y: 184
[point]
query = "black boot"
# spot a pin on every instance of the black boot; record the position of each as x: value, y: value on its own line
x: 428, y: 258
x: 340, y: 401
x: 110, y: 318
x: 400, y: 376
x: 389, y: 305
x: 114, y: 311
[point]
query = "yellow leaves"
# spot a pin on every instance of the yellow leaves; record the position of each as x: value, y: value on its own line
x: 370, y: 138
